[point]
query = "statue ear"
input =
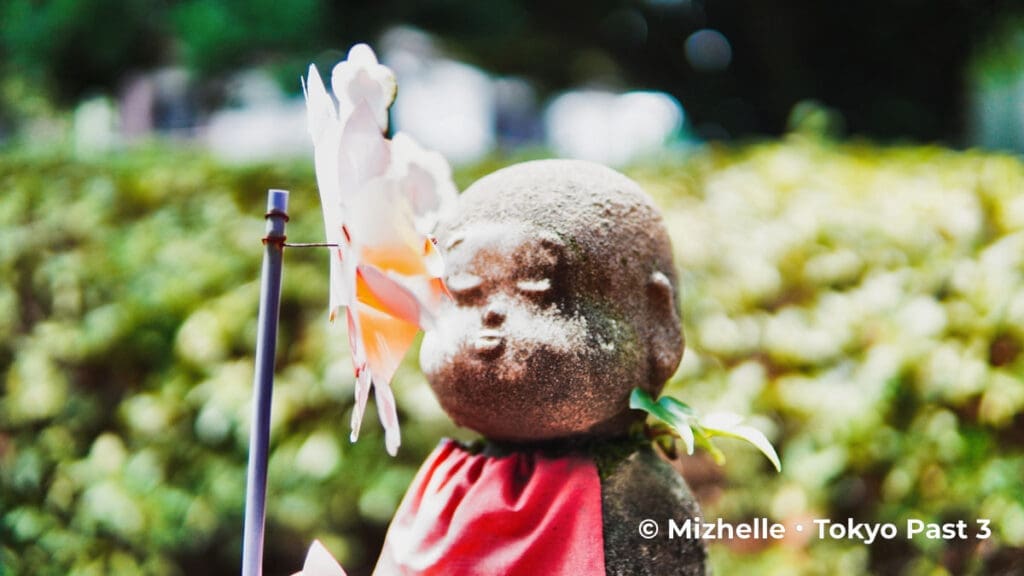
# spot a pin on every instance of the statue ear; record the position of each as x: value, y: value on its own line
x: 666, y: 342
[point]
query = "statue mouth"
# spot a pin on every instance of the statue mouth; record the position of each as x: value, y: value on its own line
x: 489, y: 343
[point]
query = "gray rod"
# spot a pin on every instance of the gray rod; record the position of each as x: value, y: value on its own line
x: 263, y: 384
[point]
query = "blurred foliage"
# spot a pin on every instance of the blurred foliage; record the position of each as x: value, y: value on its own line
x: 67, y: 48
x: 998, y: 58
x: 868, y: 305
x: 892, y: 69
x: 127, y: 324
x: 217, y: 36
x: 70, y: 49
x: 864, y: 305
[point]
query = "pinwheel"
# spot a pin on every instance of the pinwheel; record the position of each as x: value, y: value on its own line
x: 381, y: 199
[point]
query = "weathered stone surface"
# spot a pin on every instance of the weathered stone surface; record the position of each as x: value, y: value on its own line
x: 565, y: 296
x: 645, y: 487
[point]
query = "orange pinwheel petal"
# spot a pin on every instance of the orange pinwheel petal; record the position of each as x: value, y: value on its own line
x: 397, y: 258
x: 378, y: 290
x: 385, y: 340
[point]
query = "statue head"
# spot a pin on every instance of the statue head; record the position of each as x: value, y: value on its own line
x: 565, y: 299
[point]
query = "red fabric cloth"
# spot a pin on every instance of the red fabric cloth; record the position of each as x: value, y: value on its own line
x: 521, y: 514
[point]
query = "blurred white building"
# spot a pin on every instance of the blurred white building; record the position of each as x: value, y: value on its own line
x: 447, y: 106
x: 263, y: 125
x: 611, y: 128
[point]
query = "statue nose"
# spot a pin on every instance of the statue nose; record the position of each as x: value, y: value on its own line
x: 494, y: 315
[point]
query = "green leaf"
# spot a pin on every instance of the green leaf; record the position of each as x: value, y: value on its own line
x: 639, y: 399
x: 727, y: 424
x: 704, y: 441
x: 676, y: 414
x: 684, y: 414
x: 674, y: 405
x: 697, y: 431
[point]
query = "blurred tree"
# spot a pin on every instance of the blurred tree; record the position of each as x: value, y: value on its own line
x: 73, y: 47
x: 219, y: 35
x: 891, y: 69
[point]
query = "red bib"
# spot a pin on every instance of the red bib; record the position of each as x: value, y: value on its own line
x: 471, y: 514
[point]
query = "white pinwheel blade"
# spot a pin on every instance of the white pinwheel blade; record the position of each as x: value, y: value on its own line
x: 381, y: 199
x: 391, y: 296
x: 319, y: 562
x: 425, y: 180
x: 361, y: 79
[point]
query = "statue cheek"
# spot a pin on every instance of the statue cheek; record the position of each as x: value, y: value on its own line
x: 432, y: 353
x: 442, y: 345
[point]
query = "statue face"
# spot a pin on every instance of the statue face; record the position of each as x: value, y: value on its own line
x: 561, y: 273
x: 526, y: 353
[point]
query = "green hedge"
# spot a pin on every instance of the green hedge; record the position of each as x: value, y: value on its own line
x: 127, y: 324
x: 867, y: 305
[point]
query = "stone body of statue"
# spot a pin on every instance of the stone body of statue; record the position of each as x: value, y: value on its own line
x: 564, y: 300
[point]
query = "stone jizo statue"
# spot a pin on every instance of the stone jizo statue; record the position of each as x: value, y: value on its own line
x: 565, y: 299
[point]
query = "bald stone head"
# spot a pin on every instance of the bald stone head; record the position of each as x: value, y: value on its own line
x: 564, y: 301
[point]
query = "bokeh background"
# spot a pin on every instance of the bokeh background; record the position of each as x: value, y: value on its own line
x: 842, y: 182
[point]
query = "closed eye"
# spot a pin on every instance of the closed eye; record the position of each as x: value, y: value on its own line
x: 534, y: 286
x: 464, y: 286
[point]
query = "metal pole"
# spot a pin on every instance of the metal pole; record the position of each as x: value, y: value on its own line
x: 263, y: 384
